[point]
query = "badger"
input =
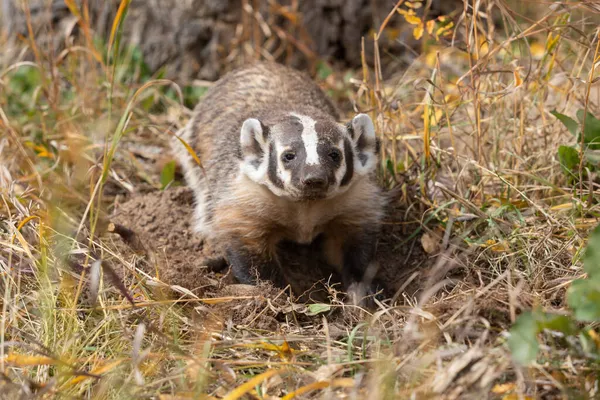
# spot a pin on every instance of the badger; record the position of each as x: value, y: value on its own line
x: 277, y: 167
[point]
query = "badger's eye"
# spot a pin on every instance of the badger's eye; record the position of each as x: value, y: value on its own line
x: 335, y: 155
x: 288, y: 156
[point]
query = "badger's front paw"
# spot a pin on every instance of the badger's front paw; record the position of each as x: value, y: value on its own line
x: 361, y: 294
x: 356, y: 293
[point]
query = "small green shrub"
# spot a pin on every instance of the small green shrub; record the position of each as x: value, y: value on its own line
x: 587, y: 134
x: 573, y: 327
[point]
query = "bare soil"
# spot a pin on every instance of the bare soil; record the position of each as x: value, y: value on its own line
x: 163, y: 222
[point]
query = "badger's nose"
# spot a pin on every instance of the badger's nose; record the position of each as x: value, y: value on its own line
x: 315, y: 180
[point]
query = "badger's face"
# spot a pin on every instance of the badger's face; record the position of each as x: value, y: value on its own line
x: 302, y: 158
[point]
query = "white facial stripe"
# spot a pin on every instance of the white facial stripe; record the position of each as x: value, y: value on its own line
x: 310, y: 139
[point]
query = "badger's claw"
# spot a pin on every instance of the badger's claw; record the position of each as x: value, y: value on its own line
x: 361, y: 294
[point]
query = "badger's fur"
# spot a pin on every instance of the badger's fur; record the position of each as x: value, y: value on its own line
x: 277, y: 166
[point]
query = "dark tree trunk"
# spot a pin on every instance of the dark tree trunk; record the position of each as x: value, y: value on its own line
x: 201, y: 39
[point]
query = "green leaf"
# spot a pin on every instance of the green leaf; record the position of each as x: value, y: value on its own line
x: 584, y: 298
x: 523, y: 342
x: 568, y: 157
x: 591, y: 258
x: 555, y: 322
x: 569, y: 122
x: 390, y: 166
x: 147, y: 102
x: 318, y: 308
x: 591, y: 134
x: 523, y: 335
x: 584, y: 294
x: 193, y: 94
x: 323, y: 70
x: 167, y: 175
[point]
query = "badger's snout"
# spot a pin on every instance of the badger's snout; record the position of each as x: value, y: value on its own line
x: 314, y: 179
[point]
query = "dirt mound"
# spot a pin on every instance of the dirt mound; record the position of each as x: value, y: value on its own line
x: 161, y: 223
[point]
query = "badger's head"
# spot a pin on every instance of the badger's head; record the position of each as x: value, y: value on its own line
x: 302, y: 158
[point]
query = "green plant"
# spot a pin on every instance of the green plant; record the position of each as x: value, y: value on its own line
x: 573, y: 328
x: 587, y: 133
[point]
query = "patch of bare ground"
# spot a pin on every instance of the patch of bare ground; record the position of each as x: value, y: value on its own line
x: 161, y: 223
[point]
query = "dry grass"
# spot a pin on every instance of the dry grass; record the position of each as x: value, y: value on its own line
x: 468, y: 138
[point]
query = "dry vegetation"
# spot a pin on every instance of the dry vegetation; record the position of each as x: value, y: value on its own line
x: 493, y: 224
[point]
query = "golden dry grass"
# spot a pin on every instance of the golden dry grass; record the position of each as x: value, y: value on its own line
x: 468, y: 139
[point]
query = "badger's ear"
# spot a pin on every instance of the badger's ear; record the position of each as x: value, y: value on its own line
x: 253, y: 140
x: 253, y: 143
x: 365, y: 142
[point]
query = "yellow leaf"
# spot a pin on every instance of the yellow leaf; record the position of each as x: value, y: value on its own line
x: 96, y: 371
x: 72, y: 6
x: 418, y: 31
x: 305, y: 389
x: 413, y: 19
x: 23, y: 360
x: 120, y: 13
x: 248, y: 386
x: 552, y: 42
x: 514, y: 396
x: 219, y: 300
x: 415, y: 5
x: 185, y: 395
x: 341, y: 382
x: 431, y: 59
x: 564, y: 206
x: 45, y: 154
x: 427, y: 118
x: 444, y: 30
x: 594, y: 337
x: 437, y: 114
x: 537, y: 50
x: 451, y: 98
x: 484, y: 47
x: 284, y: 351
x: 503, y: 388
x: 498, y: 247
x: 518, y: 80
x: 26, y: 220
x: 429, y: 26
x: 190, y: 151
x: 410, y: 16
